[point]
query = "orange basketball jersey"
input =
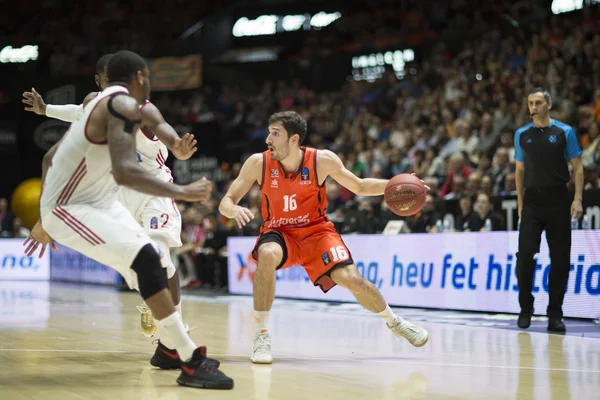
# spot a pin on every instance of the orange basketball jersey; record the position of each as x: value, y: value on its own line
x: 292, y: 200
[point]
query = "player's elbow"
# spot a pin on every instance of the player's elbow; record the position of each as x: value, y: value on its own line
x: 123, y: 175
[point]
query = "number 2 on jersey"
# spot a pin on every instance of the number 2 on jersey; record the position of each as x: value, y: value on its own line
x: 166, y: 218
x: 289, y: 203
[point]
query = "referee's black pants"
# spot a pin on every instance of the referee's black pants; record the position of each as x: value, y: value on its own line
x: 549, y: 209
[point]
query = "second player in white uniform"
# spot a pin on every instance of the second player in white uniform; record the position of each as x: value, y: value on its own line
x: 158, y: 215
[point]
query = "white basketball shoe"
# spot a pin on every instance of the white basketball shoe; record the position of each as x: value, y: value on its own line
x: 416, y: 335
x: 262, y: 349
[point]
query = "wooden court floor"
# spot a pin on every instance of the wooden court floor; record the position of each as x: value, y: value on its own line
x: 61, y: 341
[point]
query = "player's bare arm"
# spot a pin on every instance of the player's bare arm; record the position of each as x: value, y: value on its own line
x: 519, y: 179
x: 576, y: 206
x: 250, y: 172
x: 182, y: 148
x: 124, y: 118
x: 329, y: 164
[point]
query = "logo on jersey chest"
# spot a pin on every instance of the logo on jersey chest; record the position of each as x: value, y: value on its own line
x: 552, y: 138
x: 274, y: 183
x: 274, y: 173
x: 305, y: 176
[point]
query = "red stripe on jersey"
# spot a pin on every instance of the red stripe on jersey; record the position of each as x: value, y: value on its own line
x: 73, y: 177
x: 75, y: 184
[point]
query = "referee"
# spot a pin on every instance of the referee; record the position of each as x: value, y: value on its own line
x: 543, y: 149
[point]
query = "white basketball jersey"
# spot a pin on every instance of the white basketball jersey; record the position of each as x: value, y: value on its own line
x: 152, y: 153
x: 81, y: 170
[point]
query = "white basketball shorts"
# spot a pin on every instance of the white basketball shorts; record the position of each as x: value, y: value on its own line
x: 110, y: 236
x: 158, y: 215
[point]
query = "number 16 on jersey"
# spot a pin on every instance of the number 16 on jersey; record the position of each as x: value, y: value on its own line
x: 289, y: 203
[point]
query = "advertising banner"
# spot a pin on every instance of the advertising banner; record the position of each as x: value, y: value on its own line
x: 175, y: 73
x: 15, y: 265
x: 458, y: 271
x: 72, y: 266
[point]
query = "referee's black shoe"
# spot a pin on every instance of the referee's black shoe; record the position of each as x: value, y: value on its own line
x: 556, y: 325
x: 524, y: 320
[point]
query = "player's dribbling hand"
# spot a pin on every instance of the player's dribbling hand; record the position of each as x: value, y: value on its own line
x: 36, y: 102
x: 426, y: 187
x: 198, y: 191
x: 242, y: 216
x: 185, y: 147
x: 38, y: 236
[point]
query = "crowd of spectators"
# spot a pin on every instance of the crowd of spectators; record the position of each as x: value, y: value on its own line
x: 451, y: 121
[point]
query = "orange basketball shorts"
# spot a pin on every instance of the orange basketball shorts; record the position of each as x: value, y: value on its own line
x: 319, y: 249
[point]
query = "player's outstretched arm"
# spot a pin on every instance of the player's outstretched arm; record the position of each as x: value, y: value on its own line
x: 182, y: 148
x: 67, y: 112
x: 124, y: 119
x: 250, y: 172
x: 329, y: 164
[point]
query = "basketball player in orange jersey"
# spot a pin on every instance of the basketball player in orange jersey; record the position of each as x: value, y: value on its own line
x: 158, y: 215
x: 296, y: 229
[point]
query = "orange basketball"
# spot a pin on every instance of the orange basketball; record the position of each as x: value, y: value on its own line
x: 405, y: 195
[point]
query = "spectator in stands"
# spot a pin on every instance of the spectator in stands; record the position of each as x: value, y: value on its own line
x: 425, y: 220
x: 466, y: 211
x: 19, y: 231
x: 483, y: 212
x: 456, y: 167
x: 7, y: 219
x: 473, y: 184
x: 510, y: 186
x: 500, y: 168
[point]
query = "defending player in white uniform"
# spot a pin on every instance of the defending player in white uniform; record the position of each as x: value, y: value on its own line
x: 158, y: 215
x: 79, y: 207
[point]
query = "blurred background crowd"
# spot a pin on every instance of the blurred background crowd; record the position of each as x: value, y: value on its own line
x: 451, y: 119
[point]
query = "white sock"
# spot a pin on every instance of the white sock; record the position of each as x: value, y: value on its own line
x: 388, y: 315
x: 262, y: 321
x: 173, y: 332
x: 164, y: 338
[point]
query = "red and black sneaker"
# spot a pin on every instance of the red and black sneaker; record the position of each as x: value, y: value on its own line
x: 165, y: 358
x: 199, y: 373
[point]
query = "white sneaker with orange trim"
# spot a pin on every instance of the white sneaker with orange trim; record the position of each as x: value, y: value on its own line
x: 262, y: 349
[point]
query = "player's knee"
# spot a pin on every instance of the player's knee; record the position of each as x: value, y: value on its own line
x: 152, y: 277
x: 350, y: 279
x: 270, y: 254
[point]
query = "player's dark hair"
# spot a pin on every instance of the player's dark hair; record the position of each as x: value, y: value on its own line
x: 124, y: 65
x: 102, y: 63
x: 543, y: 91
x: 292, y: 122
